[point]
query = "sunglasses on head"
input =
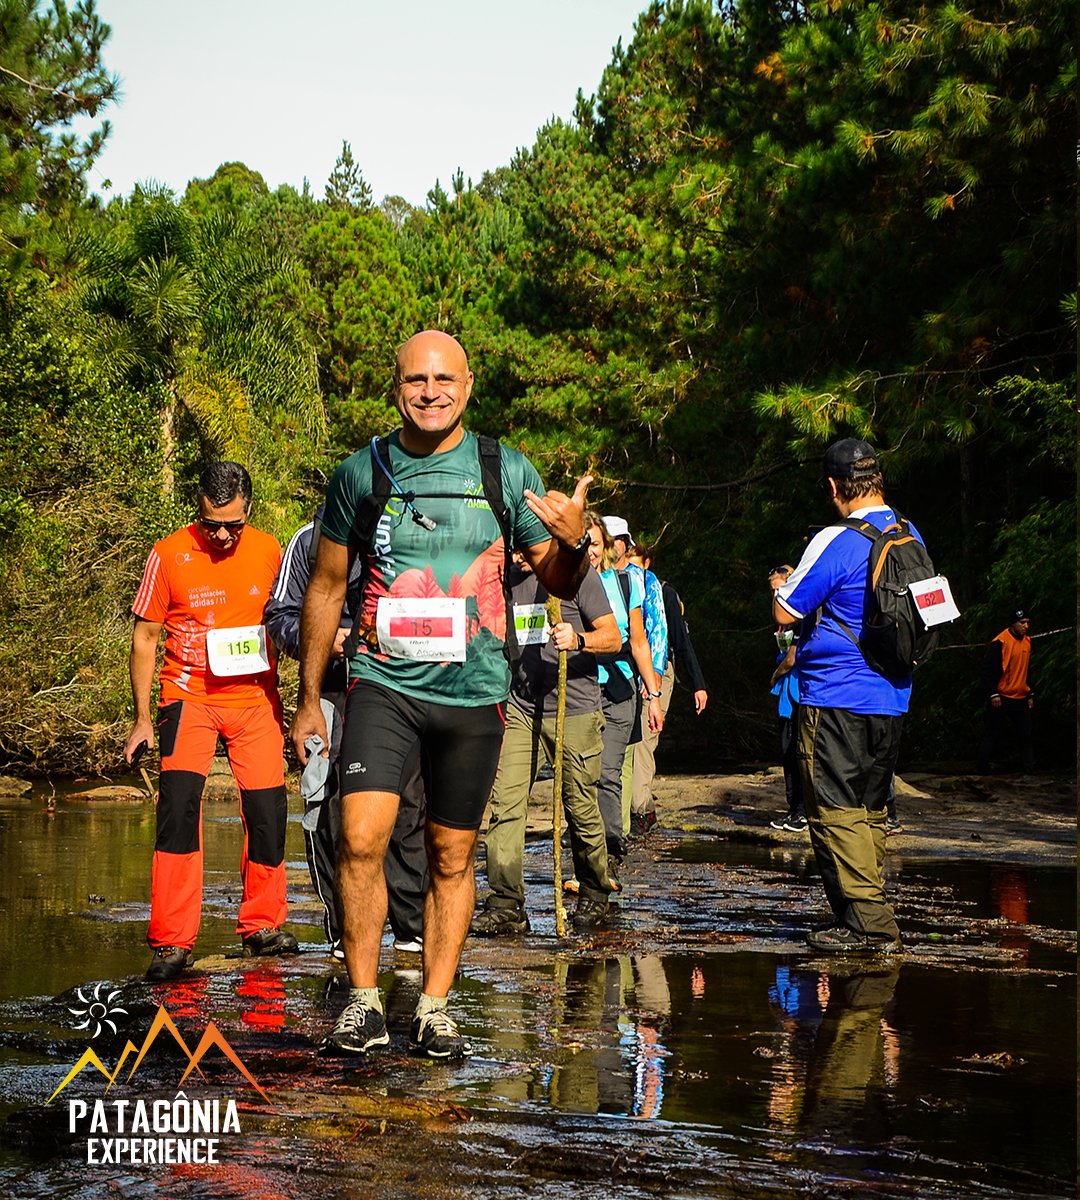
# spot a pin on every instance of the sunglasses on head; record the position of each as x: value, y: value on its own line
x: 213, y: 526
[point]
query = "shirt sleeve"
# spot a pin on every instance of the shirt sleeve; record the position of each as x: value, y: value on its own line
x: 349, y: 485
x: 518, y: 474
x: 820, y: 571
x: 152, y: 598
x: 282, y: 613
x: 637, y: 596
x: 592, y: 599
x: 656, y: 622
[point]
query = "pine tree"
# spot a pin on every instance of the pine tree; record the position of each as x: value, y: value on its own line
x: 50, y: 74
x: 346, y: 188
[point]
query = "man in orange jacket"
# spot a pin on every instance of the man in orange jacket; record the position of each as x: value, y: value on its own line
x: 1010, y: 698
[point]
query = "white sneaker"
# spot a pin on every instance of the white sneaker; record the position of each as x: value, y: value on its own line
x: 409, y: 946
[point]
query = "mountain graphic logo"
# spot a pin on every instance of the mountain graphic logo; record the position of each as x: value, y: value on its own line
x: 212, y: 1036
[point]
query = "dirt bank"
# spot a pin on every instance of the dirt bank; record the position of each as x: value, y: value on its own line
x: 1005, y: 818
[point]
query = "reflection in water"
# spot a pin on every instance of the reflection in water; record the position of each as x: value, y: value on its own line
x: 263, y: 986
x: 752, y: 1042
x: 855, y: 1060
x: 1010, y: 890
x: 837, y: 1054
x: 625, y: 1003
x: 798, y: 998
x: 75, y: 884
x: 186, y: 997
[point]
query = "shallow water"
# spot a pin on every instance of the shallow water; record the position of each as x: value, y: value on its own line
x: 695, y: 1048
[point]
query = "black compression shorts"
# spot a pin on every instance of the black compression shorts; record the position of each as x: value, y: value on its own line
x: 459, y: 750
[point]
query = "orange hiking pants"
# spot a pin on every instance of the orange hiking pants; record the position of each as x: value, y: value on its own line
x: 254, y: 739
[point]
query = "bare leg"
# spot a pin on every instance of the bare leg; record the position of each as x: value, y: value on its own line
x: 367, y: 819
x: 448, y: 907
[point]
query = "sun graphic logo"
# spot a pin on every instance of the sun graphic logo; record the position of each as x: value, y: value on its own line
x: 98, y: 1010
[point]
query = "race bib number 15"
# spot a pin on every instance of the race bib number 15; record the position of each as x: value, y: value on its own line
x: 426, y: 629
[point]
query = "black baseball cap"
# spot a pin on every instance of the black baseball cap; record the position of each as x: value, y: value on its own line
x: 841, y: 457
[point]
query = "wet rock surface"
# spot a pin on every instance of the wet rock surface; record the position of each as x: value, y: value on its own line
x: 692, y: 1047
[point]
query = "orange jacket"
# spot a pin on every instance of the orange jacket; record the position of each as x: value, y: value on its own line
x: 1007, y: 662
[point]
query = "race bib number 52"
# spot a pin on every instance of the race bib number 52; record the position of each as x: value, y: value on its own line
x: 426, y: 629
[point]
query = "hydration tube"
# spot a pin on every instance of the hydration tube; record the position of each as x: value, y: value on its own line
x: 408, y: 497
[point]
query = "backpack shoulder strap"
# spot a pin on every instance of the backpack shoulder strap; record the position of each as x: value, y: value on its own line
x: 625, y: 586
x: 374, y: 503
x: 365, y: 524
x: 871, y: 533
x: 313, y: 544
x: 866, y: 528
x: 489, y: 450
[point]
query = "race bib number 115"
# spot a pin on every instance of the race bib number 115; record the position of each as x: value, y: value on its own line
x: 239, y: 650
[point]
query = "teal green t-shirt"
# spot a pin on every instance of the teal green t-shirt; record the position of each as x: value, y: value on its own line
x: 461, y: 558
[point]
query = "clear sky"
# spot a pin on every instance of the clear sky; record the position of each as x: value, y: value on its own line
x: 419, y: 88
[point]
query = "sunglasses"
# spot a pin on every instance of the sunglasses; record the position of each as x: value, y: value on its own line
x: 214, y: 526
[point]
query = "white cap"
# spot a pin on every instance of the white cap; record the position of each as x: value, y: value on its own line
x: 618, y: 528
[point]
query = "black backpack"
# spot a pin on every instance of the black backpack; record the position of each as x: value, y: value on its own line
x: 895, y: 641
x: 373, y: 505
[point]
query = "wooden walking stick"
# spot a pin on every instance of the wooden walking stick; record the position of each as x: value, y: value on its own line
x: 554, y: 616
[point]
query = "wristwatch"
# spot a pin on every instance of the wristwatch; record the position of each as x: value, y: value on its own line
x: 579, y: 547
x: 654, y: 695
x: 581, y: 641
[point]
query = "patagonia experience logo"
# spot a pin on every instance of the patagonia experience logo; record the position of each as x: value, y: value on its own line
x: 140, y: 1131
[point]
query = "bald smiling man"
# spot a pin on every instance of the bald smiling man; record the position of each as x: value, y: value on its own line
x: 430, y: 667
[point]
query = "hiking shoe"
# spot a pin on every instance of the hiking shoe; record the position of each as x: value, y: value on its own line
x: 360, y: 1028
x: 791, y: 824
x: 641, y: 824
x: 893, y: 825
x: 267, y: 942
x: 590, y: 913
x: 409, y: 945
x: 436, y: 1035
x: 840, y: 939
x: 498, y: 922
x: 168, y: 963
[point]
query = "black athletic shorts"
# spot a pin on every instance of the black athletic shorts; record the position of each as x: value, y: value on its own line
x: 459, y: 750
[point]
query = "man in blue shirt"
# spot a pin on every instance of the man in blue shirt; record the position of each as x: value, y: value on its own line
x: 850, y: 717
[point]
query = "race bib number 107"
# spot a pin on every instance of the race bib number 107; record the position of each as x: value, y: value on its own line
x: 530, y: 624
x: 426, y: 629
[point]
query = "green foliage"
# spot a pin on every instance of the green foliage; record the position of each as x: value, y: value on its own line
x: 772, y: 225
x: 188, y: 303
x: 50, y: 73
x: 369, y: 306
x: 346, y: 188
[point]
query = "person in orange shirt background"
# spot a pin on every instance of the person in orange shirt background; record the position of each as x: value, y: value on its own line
x: 1010, y: 697
x: 206, y: 586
